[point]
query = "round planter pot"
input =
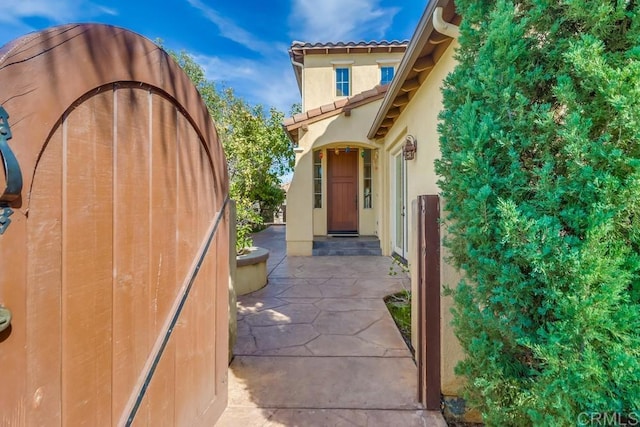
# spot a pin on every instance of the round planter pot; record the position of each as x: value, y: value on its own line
x: 251, y: 272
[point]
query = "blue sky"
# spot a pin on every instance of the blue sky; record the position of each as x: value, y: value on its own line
x: 240, y: 43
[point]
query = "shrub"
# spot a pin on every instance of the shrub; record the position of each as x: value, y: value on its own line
x: 540, y: 167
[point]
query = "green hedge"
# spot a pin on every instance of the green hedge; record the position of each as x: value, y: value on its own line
x: 540, y: 140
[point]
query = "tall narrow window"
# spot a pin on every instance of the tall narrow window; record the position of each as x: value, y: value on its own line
x: 317, y: 179
x: 368, y: 181
x: 342, y: 82
x: 386, y: 75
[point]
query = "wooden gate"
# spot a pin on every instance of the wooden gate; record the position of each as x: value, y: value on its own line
x: 115, y: 263
x: 429, y: 301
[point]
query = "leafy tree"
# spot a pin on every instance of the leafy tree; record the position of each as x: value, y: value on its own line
x: 257, y: 149
x: 540, y: 167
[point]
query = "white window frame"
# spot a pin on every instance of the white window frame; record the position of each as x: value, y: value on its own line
x: 339, y: 65
x: 340, y: 83
x: 399, y: 197
x: 388, y: 63
x: 383, y: 66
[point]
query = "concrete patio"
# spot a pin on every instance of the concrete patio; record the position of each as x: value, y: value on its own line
x: 317, y: 346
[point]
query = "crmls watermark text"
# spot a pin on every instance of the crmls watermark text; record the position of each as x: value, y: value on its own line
x: 609, y: 418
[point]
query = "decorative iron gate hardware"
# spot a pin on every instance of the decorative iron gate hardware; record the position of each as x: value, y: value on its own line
x: 12, y: 172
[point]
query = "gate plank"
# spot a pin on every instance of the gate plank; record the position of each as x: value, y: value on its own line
x: 206, y: 310
x: 222, y: 328
x: 44, y: 293
x: 188, y: 332
x: 131, y: 297
x: 87, y: 263
x: 164, y: 286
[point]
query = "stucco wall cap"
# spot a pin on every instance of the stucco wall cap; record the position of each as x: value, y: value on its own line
x: 256, y: 255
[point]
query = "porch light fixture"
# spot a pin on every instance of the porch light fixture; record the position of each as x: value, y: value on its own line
x: 409, y: 148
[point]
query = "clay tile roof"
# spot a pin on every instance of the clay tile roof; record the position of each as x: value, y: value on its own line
x: 327, y: 107
x: 300, y: 117
x: 342, y: 102
x: 299, y: 50
x: 330, y: 45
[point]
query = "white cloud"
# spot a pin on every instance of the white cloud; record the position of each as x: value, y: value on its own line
x: 229, y: 30
x: 107, y: 10
x: 63, y: 11
x: 259, y: 81
x: 339, y: 20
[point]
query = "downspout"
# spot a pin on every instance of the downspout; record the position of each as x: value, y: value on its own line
x: 297, y: 149
x: 301, y: 66
x: 443, y: 27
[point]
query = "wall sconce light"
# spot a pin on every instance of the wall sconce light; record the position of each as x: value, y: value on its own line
x: 410, y: 147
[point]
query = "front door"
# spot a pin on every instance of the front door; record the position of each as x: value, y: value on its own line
x: 342, y: 189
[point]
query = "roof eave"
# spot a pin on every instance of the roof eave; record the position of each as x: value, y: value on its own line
x: 345, y: 105
x: 421, y: 36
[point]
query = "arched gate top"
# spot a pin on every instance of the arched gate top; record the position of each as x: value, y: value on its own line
x: 59, y: 66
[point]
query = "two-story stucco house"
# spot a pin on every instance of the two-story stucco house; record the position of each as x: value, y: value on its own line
x: 342, y: 86
x: 366, y: 143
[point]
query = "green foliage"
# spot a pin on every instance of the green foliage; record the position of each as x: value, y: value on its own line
x: 399, y: 306
x: 257, y: 149
x: 398, y: 265
x: 540, y: 167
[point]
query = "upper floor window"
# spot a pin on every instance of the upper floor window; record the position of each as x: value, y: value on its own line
x: 386, y: 74
x: 342, y: 81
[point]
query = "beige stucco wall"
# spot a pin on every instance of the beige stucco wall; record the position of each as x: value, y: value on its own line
x: 303, y: 221
x: 299, y: 233
x: 318, y: 85
x: 420, y: 119
x: 251, y: 270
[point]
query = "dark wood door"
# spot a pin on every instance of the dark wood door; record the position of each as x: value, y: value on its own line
x: 342, y: 184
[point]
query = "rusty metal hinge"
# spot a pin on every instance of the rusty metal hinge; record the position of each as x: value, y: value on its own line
x: 12, y: 172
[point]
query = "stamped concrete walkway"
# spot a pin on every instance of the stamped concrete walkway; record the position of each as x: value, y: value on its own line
x: 317, y: 346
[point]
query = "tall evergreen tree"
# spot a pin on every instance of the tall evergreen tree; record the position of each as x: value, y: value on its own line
x: 540, y: 167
